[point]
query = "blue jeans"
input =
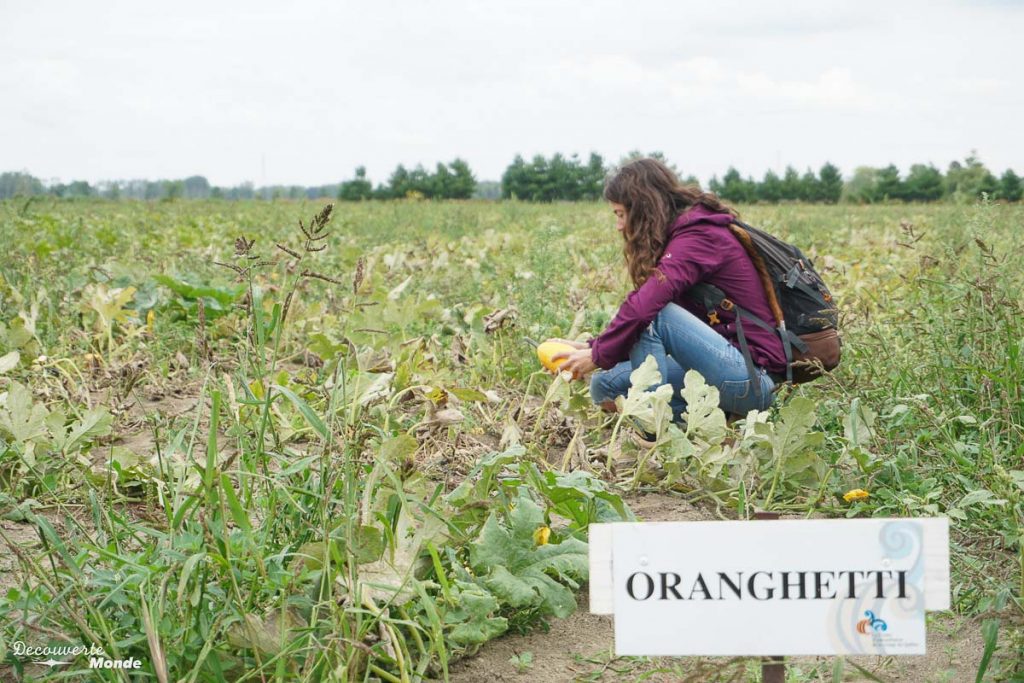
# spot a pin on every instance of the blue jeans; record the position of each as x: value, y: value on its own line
x: 680, y: 341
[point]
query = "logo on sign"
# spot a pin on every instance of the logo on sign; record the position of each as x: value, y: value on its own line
x: 872, y: 623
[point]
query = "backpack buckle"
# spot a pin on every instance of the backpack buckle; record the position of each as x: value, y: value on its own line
x: 727, y: 305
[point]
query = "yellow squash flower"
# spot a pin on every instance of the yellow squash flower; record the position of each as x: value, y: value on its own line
x: 541, y: 535
x: 855, y: 494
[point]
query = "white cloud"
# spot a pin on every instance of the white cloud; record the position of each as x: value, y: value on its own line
x: 698, y: 80
x: 126, y: 89
x: 833, y: 88
x: 981, y: 85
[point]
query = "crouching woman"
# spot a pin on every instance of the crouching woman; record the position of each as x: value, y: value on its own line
x: 674, y: 237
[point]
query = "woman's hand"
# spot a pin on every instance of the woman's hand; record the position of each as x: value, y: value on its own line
x: 580, y: 362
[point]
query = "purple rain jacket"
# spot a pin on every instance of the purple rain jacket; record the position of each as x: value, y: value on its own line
x: 700, y: 249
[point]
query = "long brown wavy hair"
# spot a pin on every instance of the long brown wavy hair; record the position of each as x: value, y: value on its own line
x: 653, y: 198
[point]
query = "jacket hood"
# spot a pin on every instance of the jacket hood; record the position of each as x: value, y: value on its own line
x: 699, y: 214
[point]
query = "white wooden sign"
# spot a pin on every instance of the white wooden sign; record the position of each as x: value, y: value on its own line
x: 787, y: 587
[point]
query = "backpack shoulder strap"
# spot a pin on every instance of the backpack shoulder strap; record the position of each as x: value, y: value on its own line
x: 739, y: 230
x: 712, y: 297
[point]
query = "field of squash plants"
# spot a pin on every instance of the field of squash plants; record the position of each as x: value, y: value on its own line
x: 268, y: 441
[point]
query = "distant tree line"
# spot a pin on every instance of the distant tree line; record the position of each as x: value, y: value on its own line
x: 962, y: 181
x: 545, y: 180
x: 965, y: 181
x: 564, y: 179
x: 193, y: 187
x: 825, y: 186
x: 448, y: 181
x: 454, y: 180
x: 561, y: 178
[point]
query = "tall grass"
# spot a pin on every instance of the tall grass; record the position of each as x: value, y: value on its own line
x: 284, y: 529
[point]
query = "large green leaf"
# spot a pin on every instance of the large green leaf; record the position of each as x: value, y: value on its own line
x: 791, y: 442
x: 111, y: 305
x: 479, y: 483
x: 96, y: 422
x: 20, y: 418
x: 397, y: 449
x: 473, y: 614
x: 513, y: 566
x: 858, y: 424
x: 389, y: 577
x: 222, y: 295
x: 580, y: 497
x: 704, y: 419
x: 650, y: 408
x: 269, y: 634
x: 793, y: 433
x: 9, y: 361
x: 509, y: 588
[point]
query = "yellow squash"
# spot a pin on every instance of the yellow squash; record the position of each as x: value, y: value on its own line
x: 548, y: 349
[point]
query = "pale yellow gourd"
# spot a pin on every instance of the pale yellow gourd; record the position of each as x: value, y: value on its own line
x: 548, y: 349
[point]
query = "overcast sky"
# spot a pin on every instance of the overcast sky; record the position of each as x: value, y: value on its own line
x: 303, y: 92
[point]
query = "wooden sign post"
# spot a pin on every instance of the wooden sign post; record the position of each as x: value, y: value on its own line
x: 773, y: 669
